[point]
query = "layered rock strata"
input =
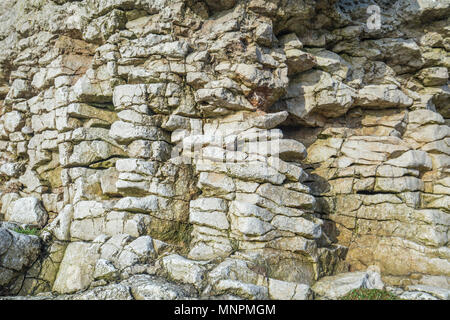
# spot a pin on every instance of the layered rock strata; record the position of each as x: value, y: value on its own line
x: 177, y: 149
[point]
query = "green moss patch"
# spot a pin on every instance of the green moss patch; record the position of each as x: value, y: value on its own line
x: 28, y: 231
x: 369, y: 294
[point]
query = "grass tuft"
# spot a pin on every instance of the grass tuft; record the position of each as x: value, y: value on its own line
x: 369, y: 294
x: 28, y: 231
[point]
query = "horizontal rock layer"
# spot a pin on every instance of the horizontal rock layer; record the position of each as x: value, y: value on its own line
x: 196, y: 149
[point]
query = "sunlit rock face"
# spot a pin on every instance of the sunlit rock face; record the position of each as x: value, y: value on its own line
x: 255, y: 149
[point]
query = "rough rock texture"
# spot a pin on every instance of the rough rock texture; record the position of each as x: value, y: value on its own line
x: 18, y: 252
x: 338, y: 286
x: 177, y: 149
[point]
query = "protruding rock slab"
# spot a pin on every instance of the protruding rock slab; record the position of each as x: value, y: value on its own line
x: 27, y: 210
x: 334, y: 287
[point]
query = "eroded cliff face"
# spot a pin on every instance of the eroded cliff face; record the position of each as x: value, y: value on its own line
x: 172, y: 149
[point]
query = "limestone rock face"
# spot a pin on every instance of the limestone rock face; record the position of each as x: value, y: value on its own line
x: 234, y: 148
